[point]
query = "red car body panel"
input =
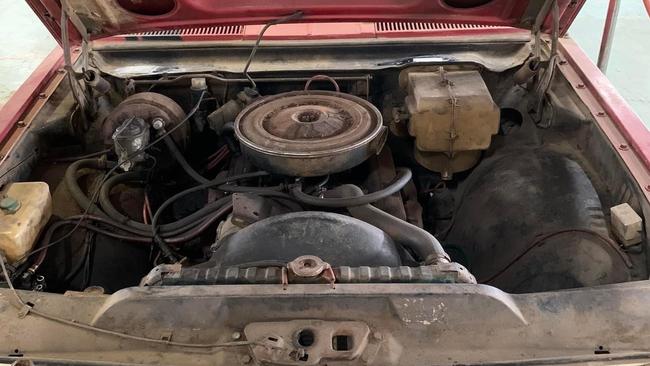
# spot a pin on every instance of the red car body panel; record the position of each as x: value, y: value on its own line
x: 103, y: 18
x: 619, y: 122
x: 20, y: 102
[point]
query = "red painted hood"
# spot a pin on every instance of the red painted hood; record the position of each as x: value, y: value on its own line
x: 101, y: 18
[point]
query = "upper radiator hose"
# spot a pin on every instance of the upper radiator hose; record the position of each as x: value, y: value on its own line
x: 425, y: 245
x: 357, y: 199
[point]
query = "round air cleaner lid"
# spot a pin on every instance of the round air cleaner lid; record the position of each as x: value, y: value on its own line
x: 310, y: 125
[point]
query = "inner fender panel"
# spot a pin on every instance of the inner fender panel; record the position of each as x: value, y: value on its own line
x: 532, y: 221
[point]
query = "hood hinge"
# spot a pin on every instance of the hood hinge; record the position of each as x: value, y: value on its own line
x: 76, y: 21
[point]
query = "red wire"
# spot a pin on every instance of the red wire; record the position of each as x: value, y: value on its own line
x: 218, y: 157
x: 539, y: 241
x: 146, y: 210
x: 218, y: 152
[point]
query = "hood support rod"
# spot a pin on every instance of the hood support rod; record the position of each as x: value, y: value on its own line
x: 608, y: 34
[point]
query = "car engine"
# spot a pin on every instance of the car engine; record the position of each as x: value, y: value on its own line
x: 401, y: 176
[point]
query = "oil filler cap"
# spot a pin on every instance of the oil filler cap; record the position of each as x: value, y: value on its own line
x: 9, y: 205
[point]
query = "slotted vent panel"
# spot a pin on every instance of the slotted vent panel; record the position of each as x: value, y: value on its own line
x: 232, y: 30
x: 389, y: 27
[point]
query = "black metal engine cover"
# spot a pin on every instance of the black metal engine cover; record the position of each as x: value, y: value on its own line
x: 337, y: 239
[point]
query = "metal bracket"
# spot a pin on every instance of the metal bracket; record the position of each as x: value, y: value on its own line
x: 308, y: 266
x: 167, y: 335
x: 308, y: 342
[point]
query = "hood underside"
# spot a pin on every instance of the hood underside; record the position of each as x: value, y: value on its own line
x: 101, y: 18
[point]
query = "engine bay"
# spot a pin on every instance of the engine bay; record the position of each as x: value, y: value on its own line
x: 424, y: 174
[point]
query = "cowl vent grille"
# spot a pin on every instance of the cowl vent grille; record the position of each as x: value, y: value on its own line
x: 389, y: 27
x: 320, y: 31
x: 233, y: 30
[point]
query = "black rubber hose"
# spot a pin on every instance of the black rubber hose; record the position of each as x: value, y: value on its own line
x: 107, y: 205
x: 284, y: 199
x: 75, y: 158
x: 71, y: 176
x: 420, y: 241
x: 49, y: 234
x: 107, y: 221
x: 214, y: 183
x: 80, y: 263
x: 262, y: 191
x: 138, y: 228
x: 192, y: 220
x: 403, y: 177
x: 187, y: 235
x: 176, y: 227
x: 128, y: 236
x: 173, y: 149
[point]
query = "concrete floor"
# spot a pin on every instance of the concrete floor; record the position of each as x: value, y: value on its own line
x: 26, y: 42
x: 628, y: 64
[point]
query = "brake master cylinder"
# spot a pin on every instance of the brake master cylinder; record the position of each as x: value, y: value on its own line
x: 130, y: 138
x: 452, y: 117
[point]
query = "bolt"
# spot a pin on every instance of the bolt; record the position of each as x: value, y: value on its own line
x: 623, y: 147
x: 21, y: 124
x: 236, y: 335
x: 647, y: 188
x: 601, y: 114
x: 158, y: 123
x: 61, y: 71
x: 563, y: 62
x: 42, y: 96
x: 580, y: 86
